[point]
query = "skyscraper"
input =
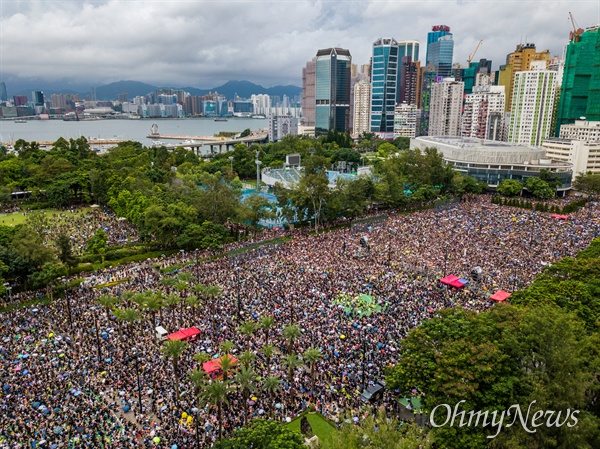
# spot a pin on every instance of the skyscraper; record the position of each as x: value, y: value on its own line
x: 3, y: 93
x: 308, y: 94
x: 433, y: 36
x: 409, y: 81
x: 385, y: 84
x: 332, y: 90
x: 580, y: 91
x: 362, y: 110
x: 445, y: 108
x: 532, y: 105
x: 518, y: 61
x: 483, y: 115
x: 409, y: 48
x: 440, y: 55
x: 405, y: 120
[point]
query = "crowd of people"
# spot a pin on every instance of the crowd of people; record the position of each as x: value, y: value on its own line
x: 70, y: 370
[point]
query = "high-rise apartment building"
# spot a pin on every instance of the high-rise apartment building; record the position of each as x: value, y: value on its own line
x: 580, y: 92
x: 532, y: 105
x: 332, y: 90
x: 362, y: 108
x: 385, y: 84
x: 281, y: 126
x: 483, y: 114
x: 409, y: 81
x: 308, y: 94
x: 518, y: 61
x: 445, y: 107
x: 406, y: 120
x: 3, y: 93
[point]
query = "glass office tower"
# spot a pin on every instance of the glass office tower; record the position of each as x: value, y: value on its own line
x: 385, y: 85
x: 332, y: 90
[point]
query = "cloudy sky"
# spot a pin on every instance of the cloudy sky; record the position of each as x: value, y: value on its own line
x: 203, y: 43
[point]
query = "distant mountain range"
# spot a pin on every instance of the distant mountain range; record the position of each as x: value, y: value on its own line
x: 230, y: 89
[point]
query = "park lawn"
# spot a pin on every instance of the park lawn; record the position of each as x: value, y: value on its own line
x: 321, y: 427
x: 17, y: 218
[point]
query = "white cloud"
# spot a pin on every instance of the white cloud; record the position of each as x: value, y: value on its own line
x: 204, y: 43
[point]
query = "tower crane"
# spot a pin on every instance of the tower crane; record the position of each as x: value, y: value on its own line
x: 575, y: 35
x: 472, y: 55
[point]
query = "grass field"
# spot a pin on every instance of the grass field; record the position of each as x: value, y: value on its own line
x: 17, y: 218
x: 321, y: 427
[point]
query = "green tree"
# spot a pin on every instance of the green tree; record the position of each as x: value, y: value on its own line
x: 312, y: 356
x: 28, y: 243
x: 509, y: 187
x: 65, y: 252
x: 291, y: 333
x: 291, y: 362
x: 97, y: 244
x: 173, y: 349
x: 539, y: 188
x: 588, y: 183
x: 245, y: 379
x: 266, y: 324
x: 247, y: 328
x: 215, y: 393
x: 263, y: 434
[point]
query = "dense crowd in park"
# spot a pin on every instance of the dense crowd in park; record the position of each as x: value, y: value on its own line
x: 70, y: 370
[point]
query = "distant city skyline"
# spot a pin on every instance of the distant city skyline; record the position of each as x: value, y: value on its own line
x: 205, y: 43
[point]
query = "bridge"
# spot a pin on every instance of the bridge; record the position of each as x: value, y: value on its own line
x: 197, y: 142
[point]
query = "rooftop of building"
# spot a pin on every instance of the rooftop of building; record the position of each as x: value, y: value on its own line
x: 333, y: 50
x: 481, y: 151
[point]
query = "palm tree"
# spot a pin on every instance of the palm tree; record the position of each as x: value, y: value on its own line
x: 268, y: 351
x: 202, y: 357
x: 197, y: 378
x: 193, y: 302
x: 172, y: 301
x: 185, y: 277
x: 174, y: 349
x: 225, y: 364
x: 271, y: 386
x: 108, y: 302
x: 245, y: 379
x: 126, y: 296
x: 291, y: 332
x: 246, y: 358
x: 215, y: 393
x: 247, y: 328
x: 213, y: 291
x: 312, y: 356
x: 266, y: 323
x: 128, y: 315
x: 153, y: 304
x: 291, y: 361
x: 227, y: 346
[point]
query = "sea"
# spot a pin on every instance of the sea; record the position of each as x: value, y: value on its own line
x: 123, y: 129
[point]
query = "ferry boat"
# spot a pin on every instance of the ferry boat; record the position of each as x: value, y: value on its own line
x: 220, y: 119
x: 20, y: 120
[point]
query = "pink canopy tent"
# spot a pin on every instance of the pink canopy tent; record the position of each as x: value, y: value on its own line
x: 215, y: 365
x: 184, y: 334
x: 453, y: 281
x: 560, y: 217
x: 500, y: 296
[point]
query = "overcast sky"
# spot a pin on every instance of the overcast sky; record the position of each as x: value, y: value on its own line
x: 202, y: 43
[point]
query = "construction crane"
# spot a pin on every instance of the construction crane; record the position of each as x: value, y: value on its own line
x: 575, y: 35
x: 472, y: 55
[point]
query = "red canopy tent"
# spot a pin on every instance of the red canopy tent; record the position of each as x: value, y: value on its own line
x: 215, y: 364
x: 453, y: 281
x: 500, y: 296
x: 184, y: 334
x: 560, y: 217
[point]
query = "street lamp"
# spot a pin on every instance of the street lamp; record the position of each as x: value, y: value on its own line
x: 136, y: 357
x: 69, y: 311
x: 238, y: 303
x: 197, y: 269
x: 9, y: 288
x: 196, y: 414
x: 181, y: 251
x: 366, y: 329
x: 98, y: 349
x: 258, y: 163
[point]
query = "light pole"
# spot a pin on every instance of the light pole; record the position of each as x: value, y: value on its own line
x: 196, y: 413
x: 69, y: 310
x: 231, y: 163
x: 197, y: 269
x: 258, y: 163
x: 238, y: 303
x: 181, y: 251
x: 98, y: 349
x: 366, y: 328
x: 9, y: 288
x: 136, y: 356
